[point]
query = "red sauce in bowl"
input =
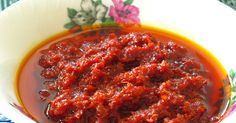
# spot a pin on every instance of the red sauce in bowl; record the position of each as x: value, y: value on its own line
x: 120, y: 75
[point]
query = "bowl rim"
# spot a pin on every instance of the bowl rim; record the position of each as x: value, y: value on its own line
x: 9, y: 112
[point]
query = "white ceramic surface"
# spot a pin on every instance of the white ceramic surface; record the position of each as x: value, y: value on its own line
x: 26, y: 23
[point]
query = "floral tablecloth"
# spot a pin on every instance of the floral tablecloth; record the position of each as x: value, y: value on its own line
x: 5, y: 3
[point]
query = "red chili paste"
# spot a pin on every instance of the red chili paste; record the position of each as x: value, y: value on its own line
x: 123, y: 77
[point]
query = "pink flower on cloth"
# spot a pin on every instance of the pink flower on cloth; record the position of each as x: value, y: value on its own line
x: 122, y: 13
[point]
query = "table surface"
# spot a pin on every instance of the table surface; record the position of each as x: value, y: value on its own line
x: 6, y: 3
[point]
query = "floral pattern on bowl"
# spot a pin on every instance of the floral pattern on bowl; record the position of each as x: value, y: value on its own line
x: 96, y: 13
x: 232, y: 102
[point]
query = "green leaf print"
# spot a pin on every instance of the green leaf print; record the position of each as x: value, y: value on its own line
x: 71, y: 12
x: 128, y: 2
x: 70, y: 25
x: 232, y: 74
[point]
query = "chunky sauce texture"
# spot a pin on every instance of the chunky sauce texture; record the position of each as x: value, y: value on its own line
x: 118, y: 75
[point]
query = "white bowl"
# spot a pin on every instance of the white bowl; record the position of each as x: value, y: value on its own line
x: 26, y: 23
